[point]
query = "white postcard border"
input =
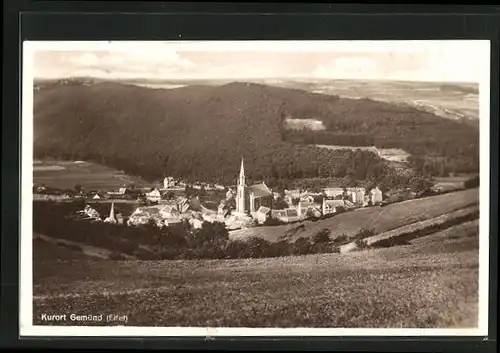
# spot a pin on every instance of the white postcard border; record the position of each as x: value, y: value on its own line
x: 26, y: 262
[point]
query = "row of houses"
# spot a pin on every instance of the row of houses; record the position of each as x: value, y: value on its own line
x: 356, y: 195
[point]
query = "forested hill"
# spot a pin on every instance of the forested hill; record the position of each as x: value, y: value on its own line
x: 201, y: 132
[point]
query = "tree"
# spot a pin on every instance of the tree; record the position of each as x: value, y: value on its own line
x: 188, y: 190
x: 78, y: 188
x: 419, y: 184
x: 472, y: 183
x: 169, y: 195
x: 280, y: 204
x: 323, y: 236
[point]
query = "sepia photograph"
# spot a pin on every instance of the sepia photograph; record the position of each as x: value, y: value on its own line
x: 268, y: 188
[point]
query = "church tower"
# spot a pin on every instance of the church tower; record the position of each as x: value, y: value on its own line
x: 240, y: 193
x: 111, y: 218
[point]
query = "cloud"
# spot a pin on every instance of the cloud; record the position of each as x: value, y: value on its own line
x: 442, y: 60
x: 127, y: 61
x: 348, y: 67
x: 85, y: 59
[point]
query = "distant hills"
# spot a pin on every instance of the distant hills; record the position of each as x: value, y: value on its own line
x: 200, y: 132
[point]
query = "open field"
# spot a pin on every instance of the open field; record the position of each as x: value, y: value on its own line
x: 92, y: 176
x: 418, y: 229
x: 452, y: 101
x: 419, y: 285
x: 380, y: 219
x: 389, y: 154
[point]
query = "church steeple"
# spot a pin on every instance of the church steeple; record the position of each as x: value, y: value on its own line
x: 242, y: 173
x: 112, y: 211
x: 240, y: 192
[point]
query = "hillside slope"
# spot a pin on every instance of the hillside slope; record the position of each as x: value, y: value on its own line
x: 200, y: 133
x: 380, y: 219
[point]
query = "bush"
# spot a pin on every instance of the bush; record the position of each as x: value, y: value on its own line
x: 364, y: 233
x: 302, y: 246
x: 341, y: 239
x: 280, y: 248
x: 270, y: 221
x: 472, y: 183
x: 235, y: 249
x: 323, y: 236
x: 116, y: 256
x: 361, y: 244
x: 323, y: 248
x: 257, y: 247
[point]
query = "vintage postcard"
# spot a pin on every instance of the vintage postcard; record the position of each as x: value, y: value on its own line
x: 255, y: 188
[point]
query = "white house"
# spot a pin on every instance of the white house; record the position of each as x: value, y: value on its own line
x: 376, y: 195
x: 304, y: 204
x: 261, y: 215
x: 229, y: 194
x: 90, y: 213
x: 168, y: 182
x: 196, y: 223
x: 286, y: 215
x: 290, y: 195
x: 154, y: 195
x: 331, y: 206
x: 169, y: 211
x: 333, y: 192
x: 356, y: 195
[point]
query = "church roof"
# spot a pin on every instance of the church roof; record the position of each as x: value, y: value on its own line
x: 260, y: 190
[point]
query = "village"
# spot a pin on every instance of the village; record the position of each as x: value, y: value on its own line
x: 238, y: 206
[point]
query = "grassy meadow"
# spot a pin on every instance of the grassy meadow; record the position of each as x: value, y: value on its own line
x: 433, y: 282
x: 92, y: 176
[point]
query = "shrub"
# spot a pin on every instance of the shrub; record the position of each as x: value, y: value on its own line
x: 472, y: 183
x: 257, y: 247
x: 213, y: 233
x: 341, y: 239
x: 364, y: 233
x: 321, y: 248
x: 323, y: 236
x: 301, y: 246
x: 361, y: 244
x: 235, y: 249
x: 280, y: 248
x: 270, y: 221
x: 116, y: 256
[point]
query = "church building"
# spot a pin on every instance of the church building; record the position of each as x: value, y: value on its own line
x: 250, y: 198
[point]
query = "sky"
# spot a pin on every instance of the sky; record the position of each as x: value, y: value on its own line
x: 442, y: 61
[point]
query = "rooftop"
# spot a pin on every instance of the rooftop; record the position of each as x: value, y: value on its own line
x: 260, y: 190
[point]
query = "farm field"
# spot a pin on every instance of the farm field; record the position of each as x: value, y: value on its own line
x: 452, y: 101
x: 431, y: 283
x: 418, y: 229
x: 380, y: 219
x: 389, y: 154
x: 92, y: 176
